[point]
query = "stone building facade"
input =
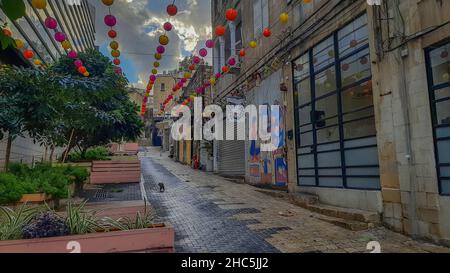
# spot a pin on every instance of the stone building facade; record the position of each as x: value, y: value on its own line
x: 365, y: 92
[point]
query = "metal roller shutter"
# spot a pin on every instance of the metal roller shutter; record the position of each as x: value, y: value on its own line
x: 232, y: 157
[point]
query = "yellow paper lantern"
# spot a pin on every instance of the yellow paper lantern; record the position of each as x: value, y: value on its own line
x: 253, y: 44
x: 163, y: 40
x: 66, y: 44
x: 37, y: 62
x: 39, y: 4
x: 114, y: 45
x: 187, y: 75
x: 284, y: 17
x: 115, y: 53
x: 19, y: 44
x: 108, y: 2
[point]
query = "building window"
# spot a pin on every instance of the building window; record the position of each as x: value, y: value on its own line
x: 260, y: 16
x: 336, y: 136
x: 438, y: 70
x: 163, y: 87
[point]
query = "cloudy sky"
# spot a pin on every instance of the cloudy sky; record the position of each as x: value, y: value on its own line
x: 140, y: 22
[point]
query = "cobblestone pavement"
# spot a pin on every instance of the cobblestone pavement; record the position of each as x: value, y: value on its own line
x: 212, y: 214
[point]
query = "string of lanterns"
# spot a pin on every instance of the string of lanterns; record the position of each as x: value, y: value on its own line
x: 52, y: 24
x: 172, y: 10
x: 20, y: 45
x: 111, y: 21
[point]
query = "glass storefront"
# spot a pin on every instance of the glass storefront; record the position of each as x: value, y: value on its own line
x: 438, y: 70
x: 335, y: 125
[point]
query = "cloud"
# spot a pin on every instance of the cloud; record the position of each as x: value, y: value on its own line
x: 139, y: 26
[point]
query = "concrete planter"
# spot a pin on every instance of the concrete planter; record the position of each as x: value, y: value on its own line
x: 160, y: 239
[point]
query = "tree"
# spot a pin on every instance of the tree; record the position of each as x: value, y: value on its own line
x: 14, y: 9
x: 100, y: 116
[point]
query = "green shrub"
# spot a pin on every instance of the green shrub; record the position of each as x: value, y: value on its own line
x: 97, y: 153
x: 79, y: 174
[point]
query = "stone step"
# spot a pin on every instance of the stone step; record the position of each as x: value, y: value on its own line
x: 344, y: 223
x: 346, y: 213
x: 303, y: 199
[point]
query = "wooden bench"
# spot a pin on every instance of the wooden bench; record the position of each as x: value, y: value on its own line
x: 115, y: 172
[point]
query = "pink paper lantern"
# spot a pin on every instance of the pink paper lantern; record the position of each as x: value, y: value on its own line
x: 232, y: 61
x: 152, y: 78
x: 51, y: 23
x: 110, y: 20
x: 168, y: 26
x: 196, y: 60
x: 78, y: 63
x: 203, y: 52
x: 118, y: 71
x: 72, y: 54
x: 161, y: 49
x: 218, y: 75
x: 60, y: 37
x: 210, y: 44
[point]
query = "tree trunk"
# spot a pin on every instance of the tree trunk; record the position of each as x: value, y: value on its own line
x: 52, y: 151
x: 69, y: 147
x: 8, y: 152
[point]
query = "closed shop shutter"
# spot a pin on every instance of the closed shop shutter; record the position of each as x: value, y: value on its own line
x: 232, y: 157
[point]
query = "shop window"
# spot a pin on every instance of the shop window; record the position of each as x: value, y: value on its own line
x: 438, y: 70
x: 334, y: 112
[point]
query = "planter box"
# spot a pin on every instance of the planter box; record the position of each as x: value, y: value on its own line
x: 115, y: 172
x: 35, y: 198
x: 159, y: 239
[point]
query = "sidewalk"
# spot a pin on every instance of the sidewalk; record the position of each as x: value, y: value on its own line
x: 212, y: 214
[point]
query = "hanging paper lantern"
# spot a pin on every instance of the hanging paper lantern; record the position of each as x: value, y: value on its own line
x: 7, y: 32
x: 203, y: 52
x: 232, y: 61
x: 116, y: 61
x: 156, y: 64
x: 253, y: 44
x: 444, y: 54
x: 161, y: 49
x: 231, y: 14
x: 28, y: 54
x: 267, y: 33
x: 19, y: 44
x: 192, y: 67
x: 220, y: 30
x: 284, y: 17
x: 110, y: 20
x: 158, y: 56
x: 183, y: 80
x: 225, y: 69
x: 82, y: 69
x: 353, y: 43
x: 218, y: 75
x: 446, y: 77
x: 86, y: 74
x: 112, y: 34
x: 60, y: 37
x: 78, y: 63
x: 72, y: 54
x: 153, y: 78
x: 196, y: 60
x: 108, y: 2
x: 39, y: 4
x: 115, y: 53
x: 331, y: 53
x: 345, y: 67
x: 51, y: 23
x: 168, y: 26
x: 163, y: 40
x: 114, y: 45
x: 212, y: 81
x: 187, y: 75
x: 209, y: 44
x: 37, y: 62
x: 66, y: 45
x: 154, y: 71
x: 172, y: 10
x: 242, y: 53
x: 364, y: 60
x: 118, y: 70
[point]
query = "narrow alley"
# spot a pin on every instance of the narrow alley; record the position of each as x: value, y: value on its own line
x: 212, y: 214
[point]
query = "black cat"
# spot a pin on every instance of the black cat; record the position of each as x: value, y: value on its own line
x: 162, y: 188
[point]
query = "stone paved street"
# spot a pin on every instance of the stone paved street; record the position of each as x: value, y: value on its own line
x: 212, y: 214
